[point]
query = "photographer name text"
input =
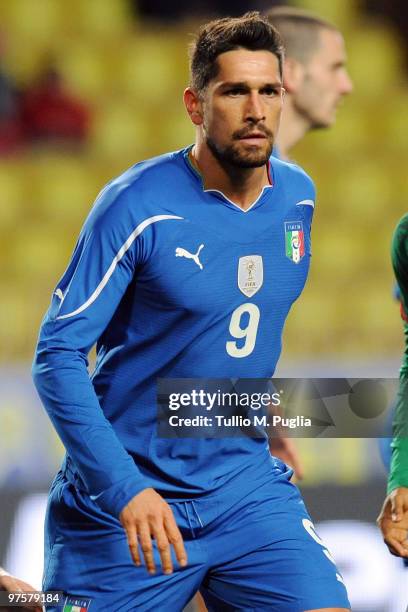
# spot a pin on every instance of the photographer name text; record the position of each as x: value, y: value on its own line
x: 239, y: 421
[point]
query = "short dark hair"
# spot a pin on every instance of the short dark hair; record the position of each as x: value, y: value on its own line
x: 252, y: 31
x: 299, y: 30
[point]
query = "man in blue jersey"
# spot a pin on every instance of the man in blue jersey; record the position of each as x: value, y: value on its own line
x: 159, y: 280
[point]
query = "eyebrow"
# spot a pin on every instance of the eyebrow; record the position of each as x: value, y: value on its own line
x: 244, y: 85
x: 339, y: 63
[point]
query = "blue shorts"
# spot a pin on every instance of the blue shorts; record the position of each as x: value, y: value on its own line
x: 246, y: 551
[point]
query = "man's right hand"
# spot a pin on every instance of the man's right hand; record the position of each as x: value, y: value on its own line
x: 147, y: 516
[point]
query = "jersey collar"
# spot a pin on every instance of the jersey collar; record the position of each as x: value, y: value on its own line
x: 193, y: 168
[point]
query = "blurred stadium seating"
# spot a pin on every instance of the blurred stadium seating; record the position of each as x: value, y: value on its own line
x: 133, y: 78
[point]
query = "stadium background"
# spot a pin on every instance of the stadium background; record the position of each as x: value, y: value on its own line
x: 130, y: 68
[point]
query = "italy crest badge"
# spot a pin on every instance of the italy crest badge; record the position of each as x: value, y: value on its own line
x: 77, y: 604
x: 294, y: 240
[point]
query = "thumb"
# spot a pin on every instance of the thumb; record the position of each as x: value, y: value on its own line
x: 396, y: 508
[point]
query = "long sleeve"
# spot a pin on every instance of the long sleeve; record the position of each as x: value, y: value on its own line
x: 101, y: 268
x: 398, y: 476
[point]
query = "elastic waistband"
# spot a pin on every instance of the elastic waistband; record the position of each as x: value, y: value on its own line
x: 248, y: 480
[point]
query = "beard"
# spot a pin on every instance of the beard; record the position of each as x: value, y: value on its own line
x: 233, y: 155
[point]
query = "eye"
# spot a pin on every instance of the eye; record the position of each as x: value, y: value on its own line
x: 271, y: 91
x: 235, y: 91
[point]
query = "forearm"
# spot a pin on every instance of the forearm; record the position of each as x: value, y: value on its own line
x: 398, y: 476
x: 108, y: 471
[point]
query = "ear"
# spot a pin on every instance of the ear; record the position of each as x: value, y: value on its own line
x: 193, y: 105
x: 293, y: 72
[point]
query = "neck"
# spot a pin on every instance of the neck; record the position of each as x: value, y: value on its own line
x: 241, y: 185
x: 293, y: 127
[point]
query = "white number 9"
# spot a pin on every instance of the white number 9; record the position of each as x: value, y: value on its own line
x: 249, y: 332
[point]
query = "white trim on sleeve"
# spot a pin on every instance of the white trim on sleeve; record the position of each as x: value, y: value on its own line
x: 125, y: 247
x: 306, y: 203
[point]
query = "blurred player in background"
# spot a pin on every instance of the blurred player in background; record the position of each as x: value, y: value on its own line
x: 315, y: 79
x: 153, y: 281
x: 315, y: 75
x: 393, y: 520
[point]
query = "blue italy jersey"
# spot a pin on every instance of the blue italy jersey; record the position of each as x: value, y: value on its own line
x: 170, y: 281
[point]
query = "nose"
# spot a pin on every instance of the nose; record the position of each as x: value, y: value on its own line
x: 346, y: 84
x: 255, y: 108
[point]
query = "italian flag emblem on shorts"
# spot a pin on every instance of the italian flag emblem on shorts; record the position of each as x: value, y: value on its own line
x: 294, y: 240
x: 77, y: 604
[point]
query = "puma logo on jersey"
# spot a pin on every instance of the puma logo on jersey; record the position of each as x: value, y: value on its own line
x: 194, y: 256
